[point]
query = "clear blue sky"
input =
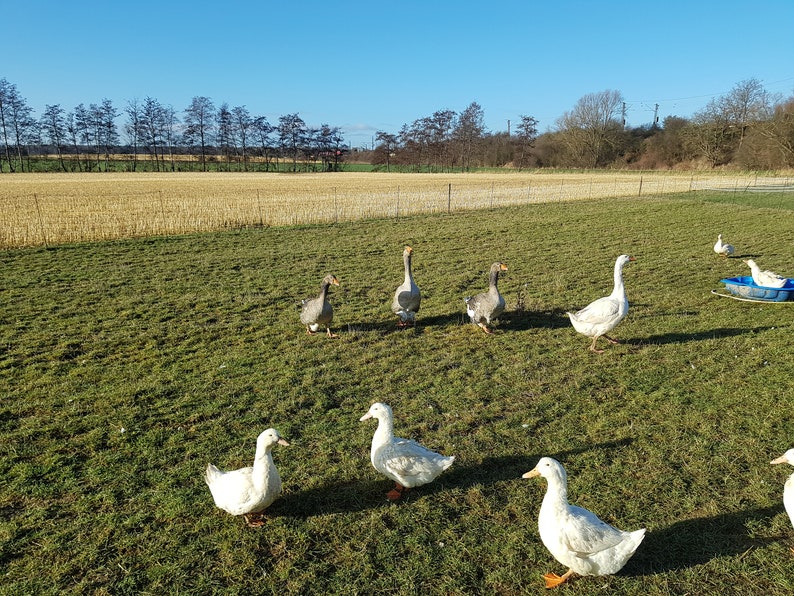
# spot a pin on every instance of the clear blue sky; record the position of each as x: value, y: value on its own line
x: 368, y: 66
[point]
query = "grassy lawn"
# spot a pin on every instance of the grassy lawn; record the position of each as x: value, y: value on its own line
x: 126, y: 366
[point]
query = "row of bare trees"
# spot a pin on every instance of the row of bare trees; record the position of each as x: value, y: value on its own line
x: 87, y: 138
x: 747, y: 127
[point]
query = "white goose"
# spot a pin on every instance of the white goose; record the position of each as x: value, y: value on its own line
x: 248, y: 491
x: 574, y: 536
x: 403, y: 460
x: 601, y: 316
x: 766, y: 279
x: 724, y: 250
x: 407, y: 297
x: 788, y: 488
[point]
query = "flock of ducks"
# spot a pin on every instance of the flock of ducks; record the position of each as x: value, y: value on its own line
x: 763, y: 278
x: 574, y: 536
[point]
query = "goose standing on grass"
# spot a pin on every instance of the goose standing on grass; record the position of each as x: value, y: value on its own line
x: 601, y: 316
x: 402, y: 460
x: 766, y: 279
x: 318, y: 311
x: 487, y: 306
x: 788, y: 488
x: 407, y: 297
x: 248, y: 491
x: 574, y: 536
x: 724, y: 250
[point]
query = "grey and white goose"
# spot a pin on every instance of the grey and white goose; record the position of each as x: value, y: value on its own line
x: 318, y: 311
x: 407, y: 298
x: 487, y: 306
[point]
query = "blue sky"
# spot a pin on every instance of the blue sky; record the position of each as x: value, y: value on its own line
x: 368, y: 66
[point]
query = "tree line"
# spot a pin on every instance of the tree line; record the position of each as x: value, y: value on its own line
x: 747, y: 127
x: 157, y: 137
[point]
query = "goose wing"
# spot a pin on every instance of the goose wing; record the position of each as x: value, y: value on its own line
x: 599, y: 311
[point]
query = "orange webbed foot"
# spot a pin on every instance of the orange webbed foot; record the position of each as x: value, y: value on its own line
x: 553, y: 580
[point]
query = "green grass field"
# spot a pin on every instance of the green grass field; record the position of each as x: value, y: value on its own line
x: 126, y: 366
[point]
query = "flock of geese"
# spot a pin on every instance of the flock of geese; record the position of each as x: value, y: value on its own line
x: 574, y: 536
x: 595, y: 320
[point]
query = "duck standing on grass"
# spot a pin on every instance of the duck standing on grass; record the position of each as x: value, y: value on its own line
x: 403, y: 460
x: 601, y: 316
x: 788, y: 488
x: 765, y: 279
x: 248, y: 491
x: 318, y: 311
x: 487, y: 306
x: 407, y: 298
x: 574, y: 536
x: 724, y: 250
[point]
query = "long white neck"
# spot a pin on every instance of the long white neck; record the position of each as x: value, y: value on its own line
x: 556, y: 496
x: 263, y: 464
x: 384, y: 433
x: 619, y: 291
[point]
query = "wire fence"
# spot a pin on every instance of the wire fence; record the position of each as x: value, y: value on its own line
x: 51, y: 209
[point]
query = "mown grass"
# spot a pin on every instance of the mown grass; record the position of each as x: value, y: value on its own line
x: 126, y: 366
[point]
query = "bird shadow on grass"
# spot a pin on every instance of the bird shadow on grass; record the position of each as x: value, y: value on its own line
x: 679, y: 338
x: 697, y: 541
x: 359, y: 495
x: 521, y: 320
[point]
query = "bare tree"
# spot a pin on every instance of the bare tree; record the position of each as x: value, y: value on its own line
x: 329, y: 142
x: 16, y: 124
x: 526, y: 134
x: 53, y: 125
x: 439, y: 127
x: 199, y: 116
x: 592, y: 128
x: 748, y: 102
x: 133, y: 129
x: 388, y: 143
x: 224, y: 133
x: 291, y: 133
x: 108, y: 135
x: 262, y: 129
x: 242, y: 123
x: 468, y: 133
x: 151, y: 129
x: 169, y: 123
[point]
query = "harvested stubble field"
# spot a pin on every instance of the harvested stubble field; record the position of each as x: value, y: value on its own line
x: 45, y: 209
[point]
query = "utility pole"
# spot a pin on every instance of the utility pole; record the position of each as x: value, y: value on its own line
x: 656, y: 115
x: 508, y: 128
x: 623, y: 115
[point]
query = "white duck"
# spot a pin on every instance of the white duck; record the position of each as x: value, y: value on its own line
x: 487, y: 306
x: 407, y: 297
x: 766, y: 279
x: 724, y: 250
x: 576, y: 537
x: 788, y: 488
x: 248, y: 491
x: 403, y: 460
x: 601, y: 316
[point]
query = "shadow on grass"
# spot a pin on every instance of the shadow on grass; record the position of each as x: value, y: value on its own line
x: 359, y: 495
x: 697, y: 541
x: 677, y: 338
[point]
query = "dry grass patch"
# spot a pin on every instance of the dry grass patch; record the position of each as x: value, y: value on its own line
x: 61, y: 208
